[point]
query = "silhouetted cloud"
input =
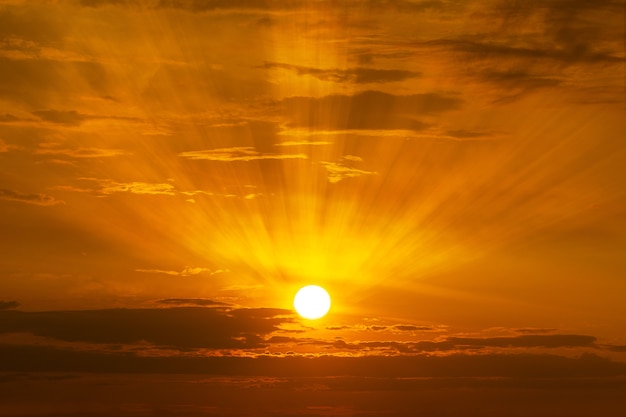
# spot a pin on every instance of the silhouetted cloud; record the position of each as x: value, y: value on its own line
x: 202, y: 302
x: 353, y: 75
x: 21, y: 358
x: 181, y: 327
x: 69, y: 117
x: 186, y: 272
x: 34, y: 199
x: 368, y: 110
x: 5, y: 305
x: 8, y: 118
x: 411, y: 328
x: 338, y: 171
x: 81, y: 152
x: 456, y: 344
x: 532, y: 330
x: 236, y: 154
x: 107, y: 186
x: 75, y: 118
x: 303, y: 143
x: 5, y: 147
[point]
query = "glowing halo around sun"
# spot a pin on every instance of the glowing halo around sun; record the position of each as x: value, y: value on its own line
x: 312, y: 302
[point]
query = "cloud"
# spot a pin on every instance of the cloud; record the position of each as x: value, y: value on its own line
x: 5, y: 147
x: 177, y: 328
x: 303, y: 143
x: 82, y: 152
x: 74, y: 118
x: 8, y: 118
x: 352, y: 158
x: 338, y: 171
x: 534, y: 330
x: 5, y: 305
x: 107, y: 187
x: 186, y: 272
x: 352, y: 75
x: 482, y: 50
x: 411, y: 328
x: 236, y: 154
x: 69, y: 117
x: 368, y: 110
x: 19, y: 358
x: 34, y: 199
x: 456, y: 344
x: 16, y: 48
x: 201, y: 302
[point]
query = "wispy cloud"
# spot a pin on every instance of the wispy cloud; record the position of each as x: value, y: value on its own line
x: 201, y: 302
x: 338, y: 171
x: 107, y: 186
x: 75, y: 118
x: 177, y: 327
x: 366, y: 110
x: 5, y: 147
x: 303, y: 143
x: 185, y: 272
x: 354, y: 75
x: 5, y: 305
x: 236, y: 154
x: 36, y: 199
x: 81, y: 152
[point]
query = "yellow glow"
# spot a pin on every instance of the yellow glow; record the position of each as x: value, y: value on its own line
x: 312, y: 302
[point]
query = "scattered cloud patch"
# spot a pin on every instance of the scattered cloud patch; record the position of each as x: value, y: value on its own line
x: 367, y: 110
x: 5, y: 305
x: 175, y: 328
x: 186, y: 272
x: 200, y: 302
x: 81, y: 152
x: 69, y: 117
x: 411, y: 328
x: 8, y: 118
x: 5, y: 147
x: 338, y: 171
x: 350, y: 75
x: 236, y: 154
x: 107, y: 187
x: 304, y: 143
x: 36, y: 199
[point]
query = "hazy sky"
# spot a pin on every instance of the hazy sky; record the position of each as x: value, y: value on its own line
x: 451, y: 171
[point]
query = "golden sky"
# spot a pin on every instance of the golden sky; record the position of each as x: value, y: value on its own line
x: 451, y: 171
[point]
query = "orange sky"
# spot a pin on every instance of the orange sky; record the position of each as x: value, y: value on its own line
x: 452, y: 172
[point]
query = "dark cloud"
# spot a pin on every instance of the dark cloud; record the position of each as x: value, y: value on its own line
x: 481, y: 50
x: 455, y: 344
x: 216, y: 5
x: 411, y: 328
x: 19, y: 358
x: 70, y: 117
x: 546, y: 341
x: 352, y: 75
x: 33, y: 81
x: 202, y: 302
x: 368, y: 110
x: 35, y: 199
x: 467, y: 134
x: 615, y: 348
x: 8, y: 118
x: 5, y: 305
x: 184, y: 327
x: 73, y: 117
x: 534, y: 330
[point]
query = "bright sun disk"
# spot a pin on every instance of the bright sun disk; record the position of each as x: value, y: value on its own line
x: 312, y: 302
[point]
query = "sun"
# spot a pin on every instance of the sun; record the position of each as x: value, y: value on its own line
x: 312, y: 302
